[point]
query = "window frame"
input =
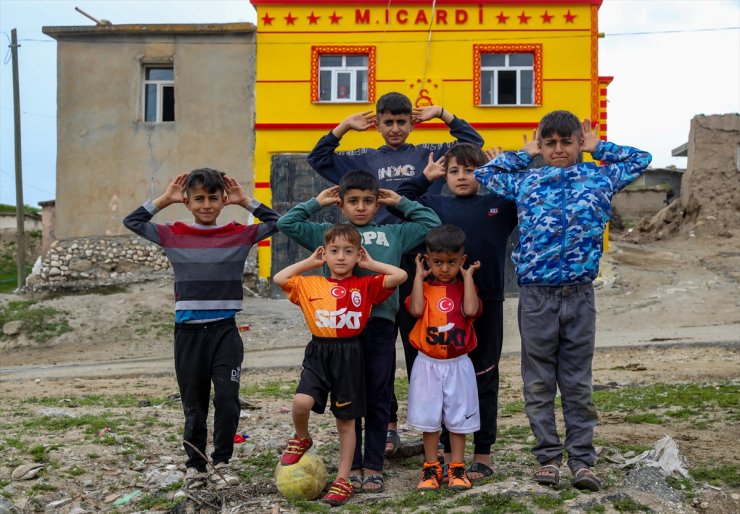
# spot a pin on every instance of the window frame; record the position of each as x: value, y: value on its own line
x: 534, y: 49
x: 161, y: 85
x: 318, y: 51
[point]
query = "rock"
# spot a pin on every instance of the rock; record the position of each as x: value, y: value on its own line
x: 13, y: 328
x: 6, y: 507
x: 55, y: 505
x: 26, y: 471
x: 80, y: 265
x: 56, y: 413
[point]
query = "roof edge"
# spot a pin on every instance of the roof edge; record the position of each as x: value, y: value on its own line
x: 57, y: 32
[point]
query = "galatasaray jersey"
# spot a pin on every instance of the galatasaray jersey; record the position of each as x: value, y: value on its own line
x: 336, y: 308
x: 443, y: 331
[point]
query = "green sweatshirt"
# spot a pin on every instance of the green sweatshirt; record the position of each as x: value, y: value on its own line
x: 384, y: 243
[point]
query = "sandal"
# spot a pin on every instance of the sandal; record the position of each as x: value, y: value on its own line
x: 584, y: 479
x: 483, y: 469
x: 356, y: 483
x: 376, y: 479
x: 549, y: 474
x: 394, y: 441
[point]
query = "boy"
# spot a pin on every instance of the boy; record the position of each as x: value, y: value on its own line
x: 336, y: 311
x: 208, y: 263
x: 442, y: 384
x: 392, y: 164
x: 359, y: 199
x: 563, y: 208
x: 487, y: 221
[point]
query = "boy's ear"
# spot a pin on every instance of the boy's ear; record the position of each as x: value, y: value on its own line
x: 464, y: 258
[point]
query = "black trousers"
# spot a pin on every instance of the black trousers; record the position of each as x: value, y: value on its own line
x: 205, y: 353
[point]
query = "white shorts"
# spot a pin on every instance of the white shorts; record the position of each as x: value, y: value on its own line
x: 443, y: 391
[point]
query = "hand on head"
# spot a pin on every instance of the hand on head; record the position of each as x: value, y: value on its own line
x: 421, y: 270
x: 389, y: 198
x: 470, y: 269
x: 434, y: 169
x: 590, y: 136
x: 329, y: 196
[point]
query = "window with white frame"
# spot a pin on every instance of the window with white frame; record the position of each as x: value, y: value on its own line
x: 343, y: 78
x: 507, y: 79
x: 159, y: 93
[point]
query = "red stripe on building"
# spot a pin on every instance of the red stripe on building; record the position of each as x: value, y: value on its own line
x: 262, y: 185
x: 329, y: 126
x: 264, y: 243
x: 424, y: 2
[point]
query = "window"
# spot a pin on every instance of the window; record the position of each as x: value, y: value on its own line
x: 159, y: 94
x: 343, y: 74
x: 508, y: 75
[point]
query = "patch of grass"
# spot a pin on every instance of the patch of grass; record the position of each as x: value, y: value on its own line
x: 258, y: 465
x: 511, y: 408
x: 514, y: 434
x: 314, y: 506
x: 629, y: 505
x: 155, y: 502
x: 278, y: 390
x: 497, y: 503
x: 13, y: 442
x: 629, y: 447
x: 718, y: 475
x: 401, y: 388
x: 596, y: 509
x: 39, y: 323
x: 43, y: 486
x: 568, y: 494
x: 547, y: 501
x: 646, y: 417
x: 684, y: 485
x: 39, y: 452
x: 91, y: 424
x: 92, y: 455
x: 75, y: 471
x: 692, y: 396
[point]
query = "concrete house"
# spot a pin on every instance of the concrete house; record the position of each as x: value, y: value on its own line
x: 138, y: 104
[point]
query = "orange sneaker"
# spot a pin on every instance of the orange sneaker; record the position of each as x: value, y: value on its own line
x: 431, y: 476
x: 458, y: 477
x: 339, y: 493
x: 295, y: 450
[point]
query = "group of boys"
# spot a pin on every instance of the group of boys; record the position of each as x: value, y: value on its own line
x: 445, y: 298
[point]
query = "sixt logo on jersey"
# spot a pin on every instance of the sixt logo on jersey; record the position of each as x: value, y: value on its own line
x: 338, y: 319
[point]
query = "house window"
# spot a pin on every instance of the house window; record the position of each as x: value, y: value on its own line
x: 343, y: 74
x: 159, y: 94
x: 508, y: 75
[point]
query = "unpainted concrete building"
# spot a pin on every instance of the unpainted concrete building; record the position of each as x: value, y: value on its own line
x: 139, y: 104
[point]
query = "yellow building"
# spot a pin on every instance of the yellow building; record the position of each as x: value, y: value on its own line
x: 500, y: 65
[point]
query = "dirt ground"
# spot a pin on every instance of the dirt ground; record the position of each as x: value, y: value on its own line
x: 668, y: 313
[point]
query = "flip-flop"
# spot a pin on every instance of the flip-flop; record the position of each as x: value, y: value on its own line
x: 479, y: 467
x: 549, y: 474
x: 394, y: 440
x: 584, y: 478
x: 375, y: 478
x: 356, y: 483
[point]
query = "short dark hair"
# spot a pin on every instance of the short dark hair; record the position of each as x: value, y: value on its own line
x: 343, y: 231
x: 562, y: 123
x: 210, y: 180
x: 393, y: 103
x: 466, y: 154
x: 358, y: 179
x: 445, y: 238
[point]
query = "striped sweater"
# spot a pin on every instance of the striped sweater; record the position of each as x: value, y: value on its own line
x: 208, y: 263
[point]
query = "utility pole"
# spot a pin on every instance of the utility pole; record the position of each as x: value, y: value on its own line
x: 20, y: 213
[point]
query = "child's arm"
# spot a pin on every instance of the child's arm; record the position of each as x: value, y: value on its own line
x: 394, y: 276
x: 624, y: 163
x: 235, y: 195
x: 296, y: 226
x: 498, y: 175
x: 471, y: 302
x: 331, y: 164
x: 460, y: 129
x: 139, y: 220
x: 416, y: 298
x: 313, y: 261
x: 419, y: 219
x: 416, y: 187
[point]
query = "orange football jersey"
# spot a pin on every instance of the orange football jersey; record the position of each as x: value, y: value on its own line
x: 443, y: 331
x: 336, y: 308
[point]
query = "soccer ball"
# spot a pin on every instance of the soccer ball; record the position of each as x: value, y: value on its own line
x: 303, y: 480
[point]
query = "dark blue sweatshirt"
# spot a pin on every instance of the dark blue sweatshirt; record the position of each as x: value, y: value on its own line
x: 487, y: 221
x: 391, y: 167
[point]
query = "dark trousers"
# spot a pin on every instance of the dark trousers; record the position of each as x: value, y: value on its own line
x: 489, y: 329
x: 558, y: 331
x: 379, y: 351
x: 405, y: 322
x: 205, y: 353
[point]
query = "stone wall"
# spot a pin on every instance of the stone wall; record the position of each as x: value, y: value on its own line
x: 95, y: 262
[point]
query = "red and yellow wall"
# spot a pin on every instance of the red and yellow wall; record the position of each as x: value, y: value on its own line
x: 427, y: 50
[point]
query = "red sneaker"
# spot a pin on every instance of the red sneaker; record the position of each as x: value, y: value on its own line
x: 295, y: 450
x: 339, y: 493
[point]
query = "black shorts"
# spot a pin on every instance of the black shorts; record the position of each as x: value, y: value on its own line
x: 334, y: 366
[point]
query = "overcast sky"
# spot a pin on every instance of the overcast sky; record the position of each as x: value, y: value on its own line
x: 671, y: 60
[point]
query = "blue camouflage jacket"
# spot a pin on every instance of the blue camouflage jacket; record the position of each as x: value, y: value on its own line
x: 562, y: 212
